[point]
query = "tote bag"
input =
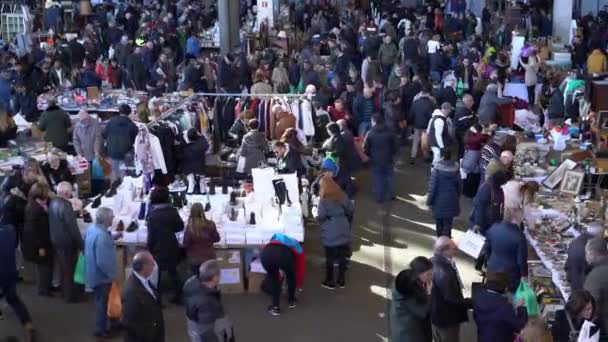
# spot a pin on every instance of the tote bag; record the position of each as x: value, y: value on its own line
x: 114, y: 302
x: 79, y: 271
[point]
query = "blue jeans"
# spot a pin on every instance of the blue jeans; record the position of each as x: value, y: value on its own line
x: 101, y: 292
x: 383, y: 184
x: 118, y: 171
x: 443, y: 227
x: 363, y: 128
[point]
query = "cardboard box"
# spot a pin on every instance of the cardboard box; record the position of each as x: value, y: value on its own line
x: 255, y: 277
x: 231, y: 271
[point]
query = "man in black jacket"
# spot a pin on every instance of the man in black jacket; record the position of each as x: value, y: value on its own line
x: 419, y: 117
x: 204, y: 310
x: 576, y: 265
x: 381, y: 146
x: 556, y: 110
x: 464, y: 118
x: 448, y: 305
x: 119, y: 136
x: 142, y: 313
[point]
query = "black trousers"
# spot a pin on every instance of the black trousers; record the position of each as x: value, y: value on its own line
x: 333, y: 254
x: 277, y: 258
x: 67, y: 264
x: 531, y: 95
x: 176, y: 282
x: 44, y: 270
x: 9, y: 292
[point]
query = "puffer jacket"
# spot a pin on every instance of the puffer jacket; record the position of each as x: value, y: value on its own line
x: 334, y: 218
x: 444, y: 190
x: 203, y: 309
x: 254, y: 150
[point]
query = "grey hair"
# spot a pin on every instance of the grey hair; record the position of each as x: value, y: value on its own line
x: 140, y: 260
x: 208, y: 270
x: 595, y: 250
x: 492, y: 87
x: 104, y: 216
x: 64, y: 189
x: 441, y: 244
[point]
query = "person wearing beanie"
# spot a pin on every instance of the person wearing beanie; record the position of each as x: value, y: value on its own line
x: 119, y: 137
x: 493, y: 313
x: 576, y: 265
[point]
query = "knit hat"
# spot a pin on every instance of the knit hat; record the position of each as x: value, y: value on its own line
x: 330, y: 165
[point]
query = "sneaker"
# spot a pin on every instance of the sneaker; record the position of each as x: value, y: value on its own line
x: 293, y: 303
x: 274, y: 311
x: 328, y: 285
x: 341, y: 284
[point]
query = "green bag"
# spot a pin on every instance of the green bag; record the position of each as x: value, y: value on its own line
x: 525, y: 293
x: 79, y: 272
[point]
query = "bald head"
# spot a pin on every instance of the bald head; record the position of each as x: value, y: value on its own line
x: 143, y: 264
x: 64, y: 190
x: 445, y: 246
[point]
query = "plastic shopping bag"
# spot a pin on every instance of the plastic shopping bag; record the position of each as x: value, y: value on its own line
x: 114, y: 302
x: 79, y: 271
x: 97, y: 170
x: 525, y: 293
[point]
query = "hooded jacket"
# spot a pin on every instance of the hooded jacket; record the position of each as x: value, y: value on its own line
x: 381, y: 146
x: 119, y: 135
x: 508, y: 251
x: 444, y: 190
x: 297, y: 250
x: 335, y: 212
x: 253, y: 149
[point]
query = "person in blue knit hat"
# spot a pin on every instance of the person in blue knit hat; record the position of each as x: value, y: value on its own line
x: 328, y: 167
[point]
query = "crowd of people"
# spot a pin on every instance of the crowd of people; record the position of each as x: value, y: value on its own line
x: 429, y: 76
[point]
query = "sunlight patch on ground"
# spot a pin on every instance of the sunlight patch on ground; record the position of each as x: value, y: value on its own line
x: 381, y: 291
x: 456, y: 234
x: 419, y: 201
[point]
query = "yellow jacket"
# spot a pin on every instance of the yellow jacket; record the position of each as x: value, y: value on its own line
x: 596, y: 62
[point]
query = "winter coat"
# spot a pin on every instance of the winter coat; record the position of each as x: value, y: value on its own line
x: 163, y: 222
x: 203, y: 308
x: 531, y: 73
x: 576, y: 264
x: 100, y: 257
x: 36, y: 234
x: 199, y: 248
x: 596, y: 283
x: 253, y: 149
x: 508, y: 251
x: 488, y: 107
x: 448, y: 305
x: 444, y: 190
x: 63, y: 227
x: 420, y: 112
x: 363, y: 109
x: 487, y: 206
x: 192, y: 160
x: 334, y: 219
x: 54, y: 177
x: 119, y: 136
x: 55, y: 123
x: 410, y: 315
x: 556, y: 109
x: 446, y: 94
x: 352, y: 161
x: 88, y: 78
x: 464, y: 118
x: 27, y: 105
x: 8, y: 259
x: 381, y: 145
x: 496, y: 319
x: 87, y: 138
x: 388, y: 54
x: 9, y: 133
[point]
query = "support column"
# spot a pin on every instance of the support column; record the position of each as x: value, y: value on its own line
x: 562, y: 17
x: 229, y: 20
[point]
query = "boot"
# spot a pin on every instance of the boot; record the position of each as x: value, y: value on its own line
x: 202, y: 184
x: 190, y: 179
x: 224, y: 186
x: 211, y: 187
x: 252, y: 219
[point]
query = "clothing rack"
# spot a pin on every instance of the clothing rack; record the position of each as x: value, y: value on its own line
x: 172, y: 110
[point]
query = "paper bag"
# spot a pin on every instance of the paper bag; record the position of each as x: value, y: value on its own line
x: 472, y: 243
x: 114, y: 302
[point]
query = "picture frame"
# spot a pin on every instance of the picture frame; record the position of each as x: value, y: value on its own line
x: 557, y: 175
x: 572, y: 182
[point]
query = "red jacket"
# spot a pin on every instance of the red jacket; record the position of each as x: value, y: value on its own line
x: 300, y: 264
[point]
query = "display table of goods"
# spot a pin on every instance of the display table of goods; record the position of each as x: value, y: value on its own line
x: 251, y: 220
x: 550, y: 227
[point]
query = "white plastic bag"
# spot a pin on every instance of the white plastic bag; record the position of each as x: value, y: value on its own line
x: 240, y: 165
x: 583, y: 335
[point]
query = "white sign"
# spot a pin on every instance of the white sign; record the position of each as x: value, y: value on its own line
x: 265, y: 12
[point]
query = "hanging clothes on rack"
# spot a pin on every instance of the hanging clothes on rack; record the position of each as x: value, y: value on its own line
x: 167, y: 132
x: 148, y: 153
x: 306, y: 119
